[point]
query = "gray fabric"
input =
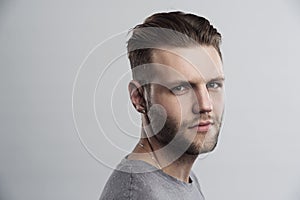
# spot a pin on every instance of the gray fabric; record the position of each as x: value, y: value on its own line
x: 129, y: 181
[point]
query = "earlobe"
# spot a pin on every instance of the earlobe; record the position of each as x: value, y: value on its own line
x: 136, y: 93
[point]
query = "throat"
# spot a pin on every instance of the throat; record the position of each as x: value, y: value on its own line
x: 181, y: 168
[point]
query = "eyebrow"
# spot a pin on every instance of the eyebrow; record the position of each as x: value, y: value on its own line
x: 185, y: 82
x: 219, y: 78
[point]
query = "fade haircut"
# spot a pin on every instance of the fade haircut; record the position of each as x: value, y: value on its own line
x: 168, y: 29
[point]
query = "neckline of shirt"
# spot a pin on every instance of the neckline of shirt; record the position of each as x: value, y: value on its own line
x: 145, y: 167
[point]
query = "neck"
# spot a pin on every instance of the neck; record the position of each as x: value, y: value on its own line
x: 176, y: 166
x: 181, y: 167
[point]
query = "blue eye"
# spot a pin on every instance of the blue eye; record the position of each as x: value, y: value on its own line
x: 214, y: 85
x: 180, y: 89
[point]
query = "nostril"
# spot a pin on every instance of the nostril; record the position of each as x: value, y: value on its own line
x: 202, y: 107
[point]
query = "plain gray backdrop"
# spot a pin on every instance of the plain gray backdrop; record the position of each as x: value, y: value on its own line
x: 43, y: 44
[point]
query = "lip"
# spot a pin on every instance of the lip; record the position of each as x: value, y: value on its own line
x: 202, y: 126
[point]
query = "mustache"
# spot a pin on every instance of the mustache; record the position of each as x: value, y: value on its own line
x: 203, y: 117
x: 214, y: 120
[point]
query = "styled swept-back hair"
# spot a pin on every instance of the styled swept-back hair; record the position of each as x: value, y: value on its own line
x: 169, y: 29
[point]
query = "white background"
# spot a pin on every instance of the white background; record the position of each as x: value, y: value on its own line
x: 42, y: 46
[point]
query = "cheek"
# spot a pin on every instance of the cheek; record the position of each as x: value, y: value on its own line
x: 186, y: 103
x: 173, y: 106
x: 218, y: 102
x: 180, y: 109
x: 176, y: 107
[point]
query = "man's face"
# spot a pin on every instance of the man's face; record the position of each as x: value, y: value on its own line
x: 187, y: 98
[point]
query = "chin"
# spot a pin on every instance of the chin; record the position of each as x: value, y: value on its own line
x: 197, y: 149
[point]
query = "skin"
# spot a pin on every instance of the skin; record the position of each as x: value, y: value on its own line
x: 187, y: 88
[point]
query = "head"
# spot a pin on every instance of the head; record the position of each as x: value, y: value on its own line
x: 178, y: 80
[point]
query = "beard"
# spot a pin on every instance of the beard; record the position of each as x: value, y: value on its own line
x: 177, y: 135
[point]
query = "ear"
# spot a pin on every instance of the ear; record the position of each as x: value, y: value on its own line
x: 136, y: 93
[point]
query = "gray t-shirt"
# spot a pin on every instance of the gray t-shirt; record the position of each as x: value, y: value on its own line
x: 136, y: 179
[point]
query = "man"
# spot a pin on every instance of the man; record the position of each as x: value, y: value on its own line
x: 178, y: 87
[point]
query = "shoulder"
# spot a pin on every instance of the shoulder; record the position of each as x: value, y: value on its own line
x: 194, y: 178
x: 125, y: 183
x: 196, y: 182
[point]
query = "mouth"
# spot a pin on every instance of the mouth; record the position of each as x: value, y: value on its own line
x: 202, y: 126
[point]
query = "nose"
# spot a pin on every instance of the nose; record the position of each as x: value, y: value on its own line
x: 204, y: 103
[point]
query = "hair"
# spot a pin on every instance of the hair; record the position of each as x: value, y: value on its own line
x: 169, y: 29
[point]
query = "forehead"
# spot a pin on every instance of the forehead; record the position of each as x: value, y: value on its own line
x: 194, y: 64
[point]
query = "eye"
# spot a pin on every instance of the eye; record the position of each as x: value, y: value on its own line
x: 180, y: 89
x: 214, y: 85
